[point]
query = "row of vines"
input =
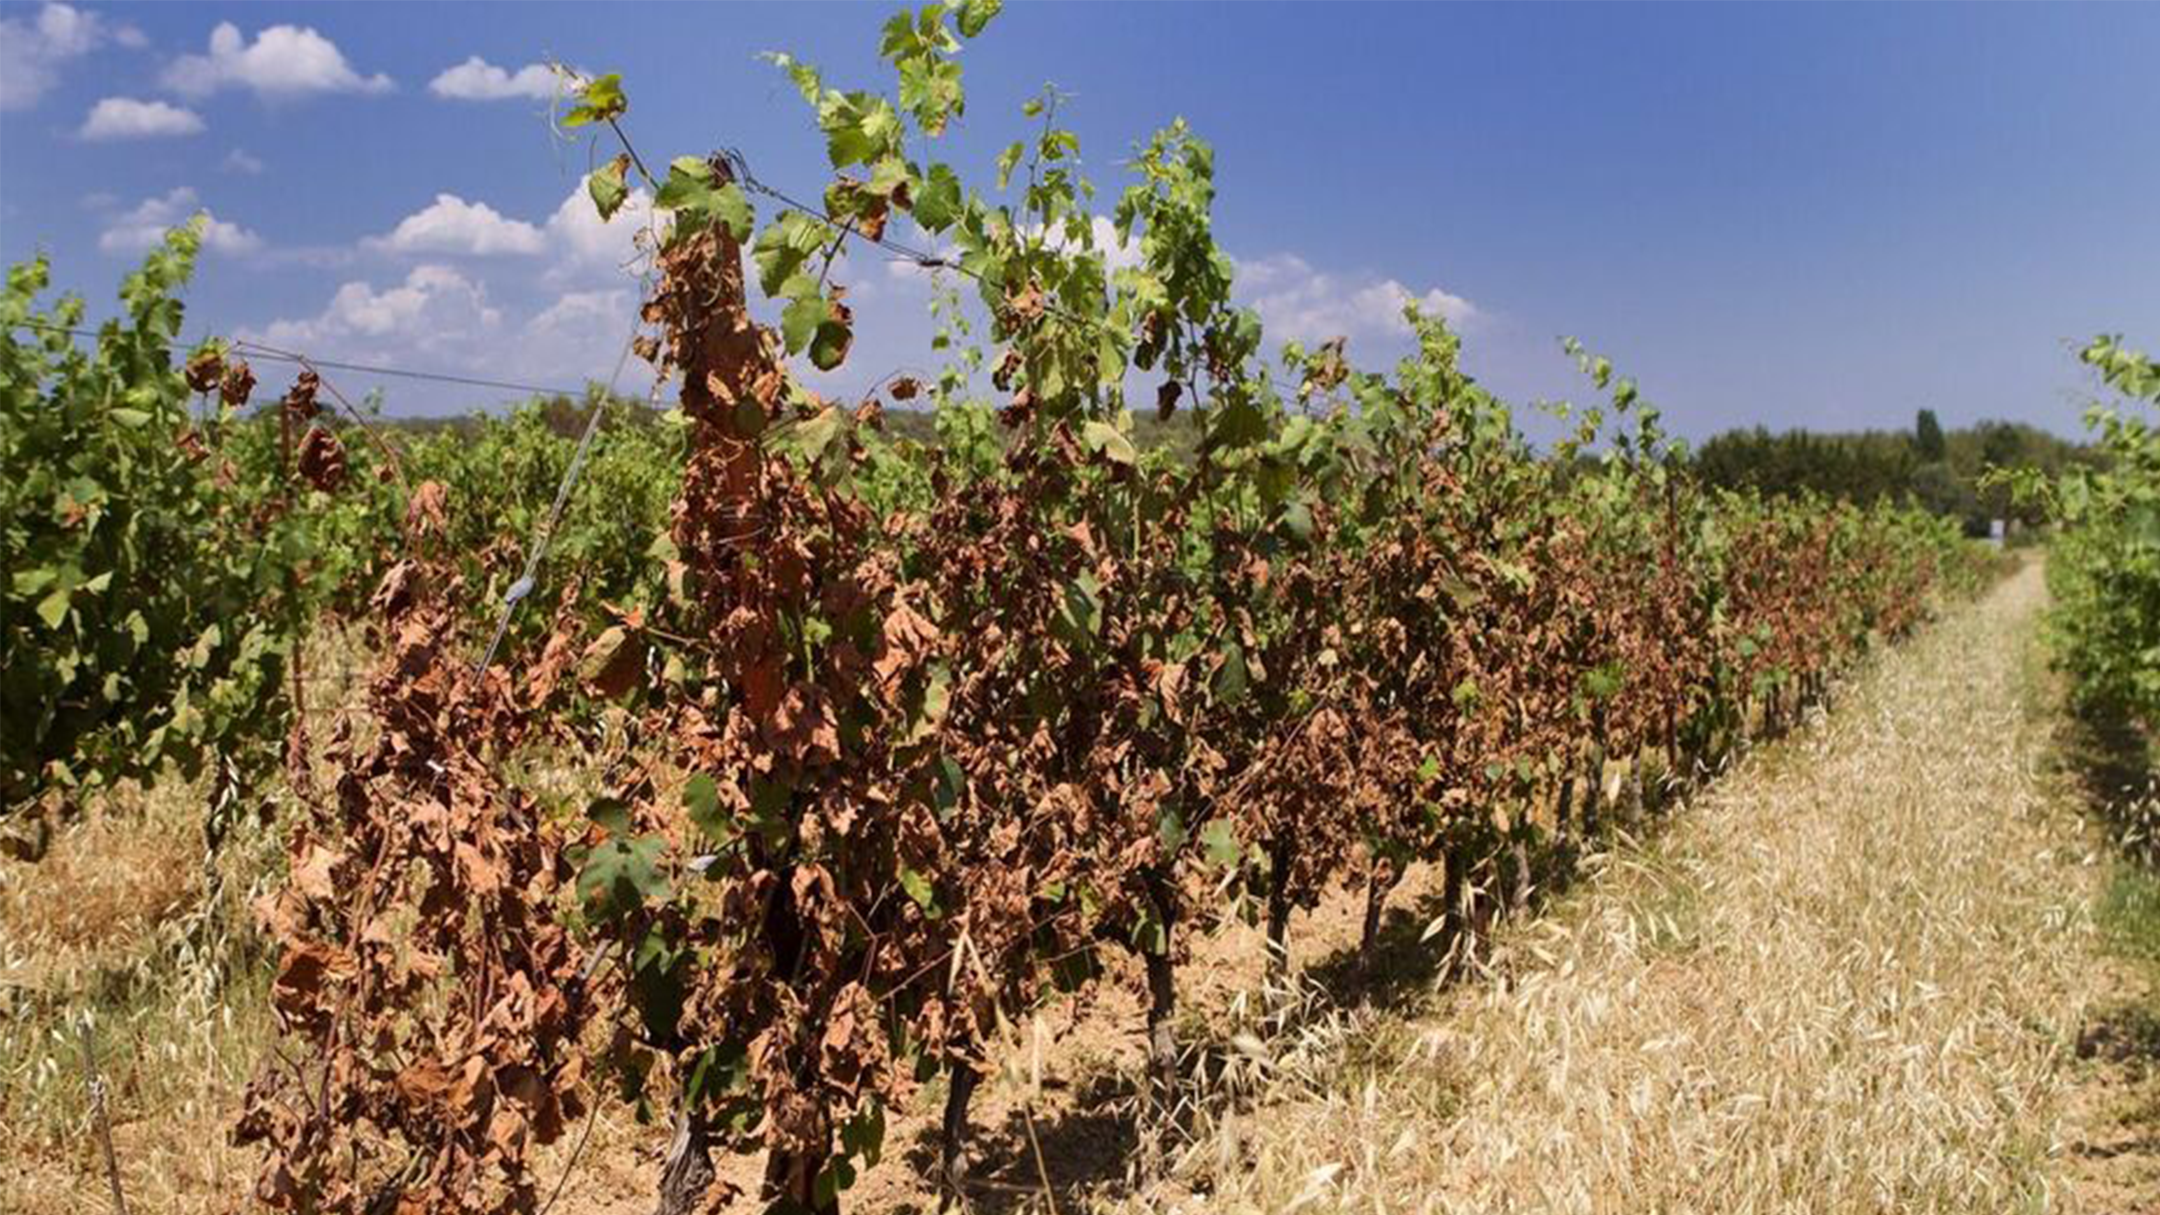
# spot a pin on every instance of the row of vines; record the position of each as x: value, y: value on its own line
x: 172, y: 538
x: 2104, y: 570
x: 896, y: 742
x: 2104, y: 573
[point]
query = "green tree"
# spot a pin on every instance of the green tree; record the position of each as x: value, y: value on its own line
x: 2002, y: 446
x: 1928, y: 438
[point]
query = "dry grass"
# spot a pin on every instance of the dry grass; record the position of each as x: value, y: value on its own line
x: 106, y: 930
x: 1849, y: 979
x: 113, y: 928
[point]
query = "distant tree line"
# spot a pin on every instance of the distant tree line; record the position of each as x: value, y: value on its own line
x: 1937, y: 469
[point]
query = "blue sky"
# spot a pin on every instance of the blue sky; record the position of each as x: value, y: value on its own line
x: 1798, y: 216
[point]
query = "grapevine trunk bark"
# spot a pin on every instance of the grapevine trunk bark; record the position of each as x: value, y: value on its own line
x: 1593, y: 798
x: 1278, y: 914
x: 1519, y: 859
x: 791, y: 1174
x: 1378, y: 881
x: 1594, y: 780
x: 1162, y: 1033
x: 1674, y: 777
x: 1162, y: 1061
x: 688, y: 1170
x: 952, y: 1145
x: 1455, y: 915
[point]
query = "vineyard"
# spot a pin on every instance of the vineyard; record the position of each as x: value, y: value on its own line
x: 2106, y: 571
x: 743, y: 768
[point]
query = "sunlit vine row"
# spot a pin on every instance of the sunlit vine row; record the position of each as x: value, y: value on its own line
x: 901, y: 743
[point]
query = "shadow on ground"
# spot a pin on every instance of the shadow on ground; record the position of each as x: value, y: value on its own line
x: 1084, y: 1150
x: 2112, y: 762
x: 2110, y: 765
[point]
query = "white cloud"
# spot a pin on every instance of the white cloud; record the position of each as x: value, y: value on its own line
x: 1118, y: 256
x: 478, y: 80
x: 436, y: 311
x: 314, y: 257
x: 583, y: 307
x: 582, y: 246
x: 439, y: 318
x: 238, y: 161
x: 127, y: 118
x: 1298, y: 302
x: 578, y: 245
x: 283, y: 61
x: 142, y: 228
x: 452, y: 225
x: 581, y: 336
x: 32, y: 50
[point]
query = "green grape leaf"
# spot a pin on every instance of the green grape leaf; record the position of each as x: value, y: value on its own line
x: 921, y: 891
x: 938, y: 200
x: 800, y: 320
x: 1231, y: 677
x: 1220, y: 845
x: 1297, y: 519
x: 1100, y: 436
x: 973, y: 16
x: 811, y: 437
x: 621, y: 875
x: 829, y: 345
x: 1170, y: 828
x: 611, y: 813
x: 701, y: 801
x: 780, y: 252
x: 609, y: 186
x: 698, y: 201
x: 600, y: 100
x: 52, y: 609
x: 806, y: 78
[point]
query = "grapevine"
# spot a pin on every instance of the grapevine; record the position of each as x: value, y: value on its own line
x: 896, y: 743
